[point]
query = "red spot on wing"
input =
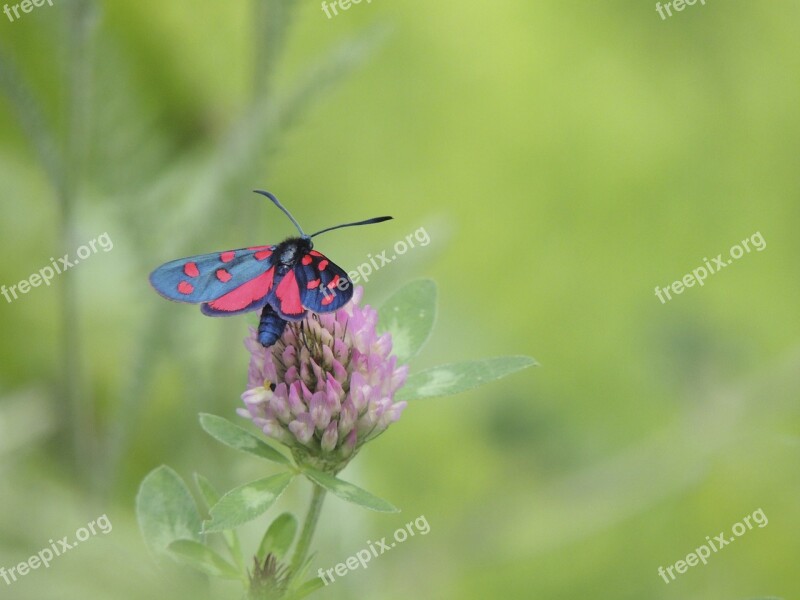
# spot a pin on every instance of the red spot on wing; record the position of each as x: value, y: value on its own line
x: 227, y: 257
x: 323, y: 264
x: 288, y: 293
x: 334, y: 282
x: 263, y: 254
x: 313, y: 284
x: 247, y: 293
x: 224, y: 276
x: 190, y: 269
x: 328, y: 299
x: 307, y: 259
x: 184, y: 287
x: 315, y: 253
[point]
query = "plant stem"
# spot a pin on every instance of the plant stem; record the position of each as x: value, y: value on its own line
x: 78, y: 78
x: 271, y: 20
x: 303, y: 544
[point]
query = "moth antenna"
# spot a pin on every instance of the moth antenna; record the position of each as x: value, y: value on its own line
x: 286, y: 212
x: 367, y: 222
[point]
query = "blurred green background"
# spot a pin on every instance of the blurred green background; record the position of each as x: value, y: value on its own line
x: 565, y: 158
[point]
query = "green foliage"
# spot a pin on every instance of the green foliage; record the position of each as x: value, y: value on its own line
x: 31, y: 117
x: 460, y: 377
x: 203, y: 558
x: 207, y: 491
x: 246, y: 502
x: 348, y: 491
x: 211, y: 497
x: 239, y: 439
x: 166, y: 510
x: 279, y: 537
x: 309, y: 587
x: 409, y: 315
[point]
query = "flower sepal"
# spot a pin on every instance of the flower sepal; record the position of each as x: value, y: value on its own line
x: 327, y: 463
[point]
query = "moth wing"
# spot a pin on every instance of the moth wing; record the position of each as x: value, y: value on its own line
x: 225, y: 283
x: 324, y: 285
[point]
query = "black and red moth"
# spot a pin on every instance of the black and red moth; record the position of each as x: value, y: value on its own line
x: 284, y: 281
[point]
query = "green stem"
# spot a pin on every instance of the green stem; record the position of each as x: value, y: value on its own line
x: 303, y: 544
x: 271, y: 20
x: 78, y: 71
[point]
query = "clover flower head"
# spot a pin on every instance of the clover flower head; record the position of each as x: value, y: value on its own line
x: 327, y: 386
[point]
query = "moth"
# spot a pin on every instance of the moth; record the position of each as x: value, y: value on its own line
x: 284, y: 281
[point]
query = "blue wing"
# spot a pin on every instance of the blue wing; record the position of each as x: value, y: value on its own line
x: 226, y: 283
x: 324, y: 286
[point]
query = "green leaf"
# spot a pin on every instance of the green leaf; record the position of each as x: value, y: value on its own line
x: 246, y: 502
x: 348, y: 491
x: 207, y: 491
x: 299, y: 574
x: 234, y: 436
x: 310, y: 586
x: 272, y: 19
x: 279, y: 537
x: 203, y: 559
x: 460, y: 377
x: 409, y: 315
x: 211, y: 497
x: 32, y: 120
x: 166, y: 510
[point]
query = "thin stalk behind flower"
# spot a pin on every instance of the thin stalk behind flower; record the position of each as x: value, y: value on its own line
x: 310, y: 525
